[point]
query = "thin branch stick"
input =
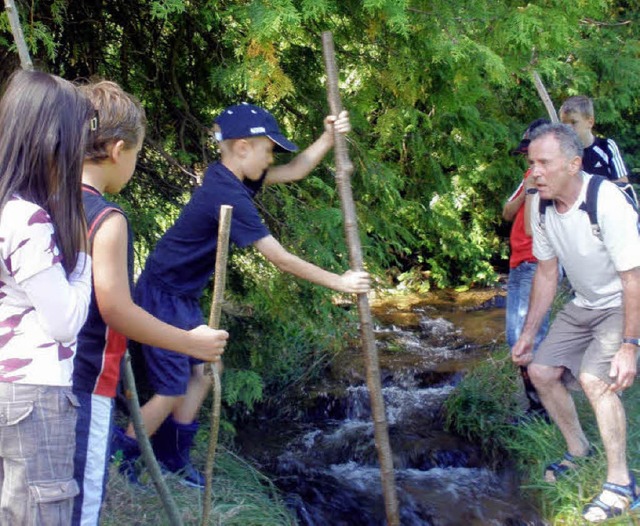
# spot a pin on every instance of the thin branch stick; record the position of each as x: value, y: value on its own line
x: 220, y: 274
x: 544, y: 95
x: 145, y: 445
x: 18, y: 35
x: 344, y: 167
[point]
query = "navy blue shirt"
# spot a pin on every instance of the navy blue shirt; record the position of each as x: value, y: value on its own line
x: 96, y: 366
x: 603, y: 158
x: 184, y: 258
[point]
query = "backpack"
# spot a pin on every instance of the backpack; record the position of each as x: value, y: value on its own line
x: 590, y: 204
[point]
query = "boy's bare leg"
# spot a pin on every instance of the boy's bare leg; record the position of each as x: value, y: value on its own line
x: 186, y: 410
x: 154, y: 412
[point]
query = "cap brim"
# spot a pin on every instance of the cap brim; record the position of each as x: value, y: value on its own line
x: 522, y: 148
x: 282, y: 144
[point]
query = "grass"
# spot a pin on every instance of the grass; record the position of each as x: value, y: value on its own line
x: 242, y: 496
x: 483, y: 404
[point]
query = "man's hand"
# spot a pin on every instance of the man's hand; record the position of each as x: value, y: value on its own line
x: 355, y: 282
x: 522, y: 352
x: 341, y: 123
x: 623, y: 368
x: 206, y: 343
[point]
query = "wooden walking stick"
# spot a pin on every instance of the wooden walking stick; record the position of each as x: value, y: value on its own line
x: 18, y: 35
x: 544, y: 95
x: 145, y: 445
x: 222, y: 252
x: 343, y: 173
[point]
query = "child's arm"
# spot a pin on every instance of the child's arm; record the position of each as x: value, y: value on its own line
x: 512, y: 206
x: 120, y: 312
x: 350, y: 281
x: 61, y: 303
x: 618, y: 169
x: 302, y: 164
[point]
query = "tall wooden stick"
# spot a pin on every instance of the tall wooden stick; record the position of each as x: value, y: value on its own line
x: 544, y: 95
x: 344, y: 168
x: 145, y: 445
x: 18, y: 35
x: 222, y: 252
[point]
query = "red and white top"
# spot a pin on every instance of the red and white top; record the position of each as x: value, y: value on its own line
x: 521, y: 244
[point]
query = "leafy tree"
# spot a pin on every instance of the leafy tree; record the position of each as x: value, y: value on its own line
x: 439, y: 92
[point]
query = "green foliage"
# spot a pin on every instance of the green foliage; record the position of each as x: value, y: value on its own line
x: 242, y: 496
x: 291, y: 329
x: 482, y: 404
x: 438, y: 93
x: 241, y: 386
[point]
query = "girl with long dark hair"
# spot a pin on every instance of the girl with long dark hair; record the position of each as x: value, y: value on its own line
x: 45, y: 286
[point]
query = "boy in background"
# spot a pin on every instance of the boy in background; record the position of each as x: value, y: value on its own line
x: 109, y: 161
x: 601, y: 155
x: 183, y: 261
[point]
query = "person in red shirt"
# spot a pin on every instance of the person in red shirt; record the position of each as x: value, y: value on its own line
x: 522, y: 266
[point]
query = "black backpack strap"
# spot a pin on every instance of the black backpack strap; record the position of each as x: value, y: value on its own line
x: 590, y: 204
x: 542, y: 208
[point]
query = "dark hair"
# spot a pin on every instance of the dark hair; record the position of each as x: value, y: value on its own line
x: 44, y: 121
x: 121, y: 117
x: 570, y: 144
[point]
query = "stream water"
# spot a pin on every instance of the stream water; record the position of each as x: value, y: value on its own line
x: 324, y: 460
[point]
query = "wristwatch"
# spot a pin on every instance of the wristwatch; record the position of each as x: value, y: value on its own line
x: 633, y: 341
x: 531, y: 191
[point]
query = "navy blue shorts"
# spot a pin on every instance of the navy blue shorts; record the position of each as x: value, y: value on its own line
x: 168, y: 371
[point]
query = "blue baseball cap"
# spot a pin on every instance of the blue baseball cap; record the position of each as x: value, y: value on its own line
x: 246, y: 120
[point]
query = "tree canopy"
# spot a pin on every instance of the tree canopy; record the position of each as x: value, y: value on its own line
x: 439, y: 92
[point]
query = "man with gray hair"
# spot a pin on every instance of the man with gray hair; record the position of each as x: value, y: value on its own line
x: 594, y: 339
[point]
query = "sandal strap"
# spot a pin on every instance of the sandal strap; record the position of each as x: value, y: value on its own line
x: 597, y: 503
x: 574, y: 458
x: 628, y: 491
x: 556, y: 467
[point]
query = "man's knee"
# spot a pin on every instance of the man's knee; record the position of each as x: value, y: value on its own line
x: 592, y: 385
x: 543, y: 375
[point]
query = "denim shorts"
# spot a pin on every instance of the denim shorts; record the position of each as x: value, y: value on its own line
x: 168, y: 371
x: 37, y: 442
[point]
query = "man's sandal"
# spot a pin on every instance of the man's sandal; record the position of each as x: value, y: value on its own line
x: 556, y: 470
x: 613, y: 500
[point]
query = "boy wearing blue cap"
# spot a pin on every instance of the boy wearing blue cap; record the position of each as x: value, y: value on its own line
x: 183, y: 261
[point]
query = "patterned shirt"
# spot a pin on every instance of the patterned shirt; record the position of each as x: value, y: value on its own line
x: 29, y: 354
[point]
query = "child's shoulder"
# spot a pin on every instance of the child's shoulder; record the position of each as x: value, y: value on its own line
x: 20, y: 209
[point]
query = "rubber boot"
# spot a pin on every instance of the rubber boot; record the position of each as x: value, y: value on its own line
x: 172, y: 444
x: 125, y: 450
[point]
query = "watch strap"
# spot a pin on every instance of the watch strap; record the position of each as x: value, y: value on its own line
x: 633, y: 341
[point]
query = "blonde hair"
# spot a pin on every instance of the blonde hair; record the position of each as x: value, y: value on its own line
x: 121, y: 117
x: 578, y: 104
